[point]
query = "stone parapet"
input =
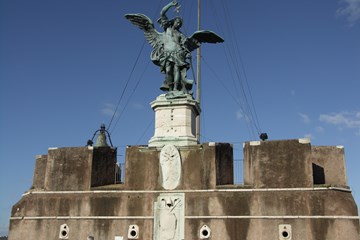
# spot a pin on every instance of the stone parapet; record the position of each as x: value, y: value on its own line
x: 39, y: 172
x: 204, y: 166
x: 278, y: 164
x: 74, y: 168
x: 330, y: 161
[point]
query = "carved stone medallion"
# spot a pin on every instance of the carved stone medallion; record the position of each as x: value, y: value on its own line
x: 170, y: 167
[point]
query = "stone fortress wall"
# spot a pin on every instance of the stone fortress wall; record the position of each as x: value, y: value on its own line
x: 291, y: 190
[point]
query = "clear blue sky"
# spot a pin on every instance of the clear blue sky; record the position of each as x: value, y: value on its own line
x: 64, y: 65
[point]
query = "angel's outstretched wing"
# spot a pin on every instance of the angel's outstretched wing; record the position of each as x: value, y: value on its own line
x: 200, y: 37
x: 145, y: 24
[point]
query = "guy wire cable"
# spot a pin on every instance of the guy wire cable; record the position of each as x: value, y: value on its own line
x: 129, y: 78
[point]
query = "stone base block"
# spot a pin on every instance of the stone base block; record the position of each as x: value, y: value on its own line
x: 174, y: 121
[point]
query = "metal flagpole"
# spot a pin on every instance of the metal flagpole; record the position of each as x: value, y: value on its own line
x: 198, y: 80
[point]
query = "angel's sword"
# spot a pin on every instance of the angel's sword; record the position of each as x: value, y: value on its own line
x: 177, y: 9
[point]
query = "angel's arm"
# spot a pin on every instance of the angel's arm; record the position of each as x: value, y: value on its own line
x: 166, y: 8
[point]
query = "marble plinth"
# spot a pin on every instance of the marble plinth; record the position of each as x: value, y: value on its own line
x: 174, y: 121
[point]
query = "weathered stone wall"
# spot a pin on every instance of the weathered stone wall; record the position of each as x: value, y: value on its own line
x: 279, y: 191
x: 313, y: 214
x: 203, y: 167
x: 68, y: 169
x: 39, y: 172
x: 278, y: 164
x: 224, y: 164
x: 79, y: 168
x: 103, y: 166
x: 225, y: 229
x: 332, y: 160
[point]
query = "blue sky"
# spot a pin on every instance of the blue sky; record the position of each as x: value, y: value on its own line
x: 65, y: 64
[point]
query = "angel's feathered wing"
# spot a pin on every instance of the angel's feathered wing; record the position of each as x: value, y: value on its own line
x: 203, y: 36
x: 151, y: 35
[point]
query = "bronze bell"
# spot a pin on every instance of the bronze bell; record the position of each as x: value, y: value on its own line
x: 101, y: 140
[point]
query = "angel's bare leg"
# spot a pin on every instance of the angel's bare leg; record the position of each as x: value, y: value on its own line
x: 168, y: 84
x: 183, y: 79
x: 177, y: 78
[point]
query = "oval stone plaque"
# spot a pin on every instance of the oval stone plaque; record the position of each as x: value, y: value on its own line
x: 170, y: 167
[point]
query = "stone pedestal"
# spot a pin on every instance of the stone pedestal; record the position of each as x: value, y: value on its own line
x: 174, y: 121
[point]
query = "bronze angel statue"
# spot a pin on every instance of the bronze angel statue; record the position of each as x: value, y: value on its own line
x: 171, y: 48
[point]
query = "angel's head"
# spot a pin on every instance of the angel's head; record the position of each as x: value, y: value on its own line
x: 177, y: 22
